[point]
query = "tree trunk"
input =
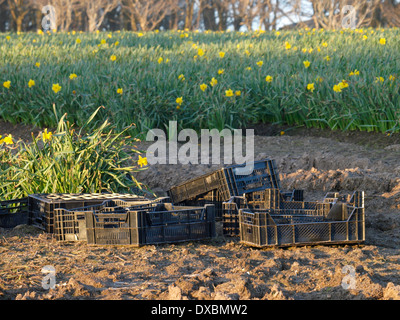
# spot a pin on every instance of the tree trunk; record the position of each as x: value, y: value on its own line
x: 4, y: 16
x: 199, y: 13
x: 209, y: 17
x: 38, y: 20
x: 189, y: 14
x: 237, y: 22
x: 133, y: 21
x: 222, y: 18
x: 18, y: 23
x: 175, y: 21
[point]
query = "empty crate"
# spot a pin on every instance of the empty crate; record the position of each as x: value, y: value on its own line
x: 263, y: 200
x: 41, y: 206
x: 343, y: 223
x: 228, y: 182
x: 156, y: 224
x: 13, y: 213
x: 70, y: 224
x: 230, y: 215
x: 221, y: 185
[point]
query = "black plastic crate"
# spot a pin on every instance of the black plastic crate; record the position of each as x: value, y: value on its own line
x: 151, y: 227
x: 117, y: 205
x: 213, y: 197
x: 276, y: 199
x: 264, y: 176
x: 331, y: 197
x: 41, y: 206
x: 294, y: 195
x: 344, y: 223
x: 230, y: 215
x: 70, y: 224
x: 265, y: 200
x: 268, y: 198
x: 13, y: 212
x: 229, y: 182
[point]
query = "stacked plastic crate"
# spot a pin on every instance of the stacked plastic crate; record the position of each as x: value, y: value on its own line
x: 41, y: 206
x: 250, y: 204
x: 268, y: 220
x: 220, y: 185
x: 119, y: 222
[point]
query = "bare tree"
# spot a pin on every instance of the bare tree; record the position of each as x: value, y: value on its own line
x: 222, y: 7
x: 329, y: 14
x: 271, y: 12
x: 266, y: 13
x: 390, y: 10
x: 128, y: 11
x: 64, y: 9
x: 189, y: 11
x: 244, y: 12
x: 147, y: 14
x: 208, y: 13
x: 18, y: 10
x: 96, y: 10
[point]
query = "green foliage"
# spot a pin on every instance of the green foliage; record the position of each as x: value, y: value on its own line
x: 69, y: 161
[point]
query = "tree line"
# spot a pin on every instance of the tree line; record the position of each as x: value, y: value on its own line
x: 147, y: 15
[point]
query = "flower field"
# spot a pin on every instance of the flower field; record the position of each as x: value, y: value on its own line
x: 341, y: 79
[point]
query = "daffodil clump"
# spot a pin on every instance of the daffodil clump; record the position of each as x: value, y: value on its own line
x: 69, y: 161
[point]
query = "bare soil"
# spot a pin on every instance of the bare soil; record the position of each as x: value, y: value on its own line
x: 18, y: 131
x: 317, y: 161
